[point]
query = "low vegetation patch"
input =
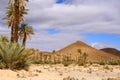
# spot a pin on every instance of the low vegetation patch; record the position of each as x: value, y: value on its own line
x: 14, y: 56
x: 113, y: 79
x: 70, y: 78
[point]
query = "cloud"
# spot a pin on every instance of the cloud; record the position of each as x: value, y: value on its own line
x: 50, y: 42
x: 98, y: 45
x: 81, y: 17
x: 3, y: 6
x: 70, y: 18
x: 4, y: 30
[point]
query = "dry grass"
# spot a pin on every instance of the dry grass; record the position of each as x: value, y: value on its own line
x: 113, y: 79
x: 70, y: 78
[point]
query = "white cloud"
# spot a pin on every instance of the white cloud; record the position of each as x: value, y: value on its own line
x: 80, y: 16
x: 100, y: 19
x: 98, y: 45
x: 45, y: 41
x: 4, y: 30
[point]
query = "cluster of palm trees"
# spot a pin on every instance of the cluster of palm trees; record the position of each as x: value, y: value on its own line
x: 12, y: 54
x: 82, y: 59
x: 15, y: 20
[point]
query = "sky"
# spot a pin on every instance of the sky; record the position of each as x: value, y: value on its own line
x: 58, y: 23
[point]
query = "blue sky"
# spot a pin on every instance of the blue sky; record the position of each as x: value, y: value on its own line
x: 58, y: 23
x: 53, y: 31
x: 113, y: 39
x: 110, y: 40
x: 59, y: 1
x: 104, y: 39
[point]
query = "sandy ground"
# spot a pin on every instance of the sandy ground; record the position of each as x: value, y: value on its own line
x: 58, y: 72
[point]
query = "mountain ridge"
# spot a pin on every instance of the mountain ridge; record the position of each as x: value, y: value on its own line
x: 111, y: 51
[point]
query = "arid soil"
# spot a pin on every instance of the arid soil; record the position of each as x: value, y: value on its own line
x: 58, y: 72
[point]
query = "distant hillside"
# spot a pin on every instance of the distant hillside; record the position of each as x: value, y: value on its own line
x: 111, y: 51
x: 94, y: 54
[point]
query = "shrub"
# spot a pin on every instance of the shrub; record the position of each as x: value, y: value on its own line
x: 13, y: 56
x: 118, y: 62
x: 67, y: 61
x: 102, y: 63
x: 37, y: 62
x: 113, y: 63
x: 82, y: 59
x: 113, y: 79
x: 47, y: 62
x: 1, y: 65
x: 3, y: 39
x: 106, y: 67
x: 70, y: 78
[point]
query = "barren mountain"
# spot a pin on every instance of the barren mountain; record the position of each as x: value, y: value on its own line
x: 93, y: 54
x: 111, y: 51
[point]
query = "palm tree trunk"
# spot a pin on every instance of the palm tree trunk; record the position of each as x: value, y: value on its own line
x: 12, y: 35
x: 15, y: 40
x: 24, y: 40
x: 41, y: 56
x: 16, y: 24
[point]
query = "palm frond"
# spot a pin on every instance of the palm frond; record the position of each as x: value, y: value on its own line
x: 12, y: 55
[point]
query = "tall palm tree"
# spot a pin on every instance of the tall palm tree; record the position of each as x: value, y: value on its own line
x: 24, y: 32
x: 15, y: 14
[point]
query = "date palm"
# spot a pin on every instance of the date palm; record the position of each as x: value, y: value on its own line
x: 85, y: 55
x: 15, y: 14
x: 24, y: 32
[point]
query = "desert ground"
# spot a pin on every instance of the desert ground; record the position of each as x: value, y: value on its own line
x: 60, y: 72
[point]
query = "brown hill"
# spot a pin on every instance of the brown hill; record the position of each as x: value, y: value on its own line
x: 111, y: 51
x: 93, y: 54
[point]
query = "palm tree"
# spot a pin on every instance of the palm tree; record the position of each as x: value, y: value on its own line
x: 85, y: 55
x: 79, y: 51
x: 24, y: 32
x: 15, y: 14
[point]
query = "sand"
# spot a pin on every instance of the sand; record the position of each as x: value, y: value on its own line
x: 58, y: 72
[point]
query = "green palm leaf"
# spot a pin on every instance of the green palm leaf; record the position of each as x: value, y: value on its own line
x: 12, y: 55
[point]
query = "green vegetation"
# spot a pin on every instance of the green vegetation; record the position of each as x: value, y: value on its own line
x: 13, y: 56
x: 67, y: 61
x: 24, y: 33
x: 38, y: 62
x: 3, y: 39
x: 82, y: 59
x: 85, y: 55
x: 102, y: 63
x: 70, y: 78
x: 113, y: 79
x: 111, y: 62
x: 15, y: 15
